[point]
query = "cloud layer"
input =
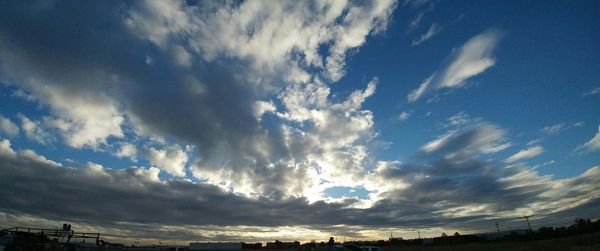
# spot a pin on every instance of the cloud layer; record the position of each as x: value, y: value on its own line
x: 453, y: 189
x: 229, y: 110
x: 197, y: 75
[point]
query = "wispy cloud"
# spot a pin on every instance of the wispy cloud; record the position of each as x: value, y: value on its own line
x: 415, y: 22
x: 480, y: 138
x: 560, y: 127
x: 593, y: 91
x: 461, y: 119
x: 34, y: 130
x: 553, y: 129
x: 417, y: 93
x: 472, y: 59
x: 416, y: 3
x: 404, y: 115
x: 591, y: 145
x: 433, y: 30
x: 525, y: 154
x: 423, y: 7
x: 547, y: 163
x: 8, y: 128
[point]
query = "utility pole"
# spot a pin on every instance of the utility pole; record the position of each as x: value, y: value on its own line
x: 527, y: 218
x: 497, y: 229
x: 419, y: 232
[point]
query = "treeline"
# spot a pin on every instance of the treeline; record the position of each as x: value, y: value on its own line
x: 580, y: 226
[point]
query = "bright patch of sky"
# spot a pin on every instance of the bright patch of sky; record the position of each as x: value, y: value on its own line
x: 341, y: 192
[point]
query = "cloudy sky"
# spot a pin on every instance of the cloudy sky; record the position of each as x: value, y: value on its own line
x: 262, y: 120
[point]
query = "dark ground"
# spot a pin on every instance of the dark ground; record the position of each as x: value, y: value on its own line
x: 580, y: 242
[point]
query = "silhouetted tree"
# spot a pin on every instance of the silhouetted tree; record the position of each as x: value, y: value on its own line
x: 546, y: 230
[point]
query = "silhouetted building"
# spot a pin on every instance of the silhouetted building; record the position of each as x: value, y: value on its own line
x: 281, y: 245
x: 215, y: 245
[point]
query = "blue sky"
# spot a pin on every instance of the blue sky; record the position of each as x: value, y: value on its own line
x: 368, y: 117
x: 546, y: 62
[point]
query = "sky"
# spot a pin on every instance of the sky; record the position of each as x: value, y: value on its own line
x: 259, y: 120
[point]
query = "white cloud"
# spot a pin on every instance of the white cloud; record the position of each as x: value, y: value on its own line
x: 593, y: 91
x: 433, y: 30
x: 553, y: 129
x: 417, y: 93
x: 534, y: 141
x: 170, y: 159
x: 323, y: 146
x: 557, y: 128
x: 460, y: 119
x: 34, y: 131
x: 83, y: 120
x: 127, y: 150
x: 480, y: 138
x: 547, y: 163
x: 249, y: 52
x: 30, y: 154
x: 262, y: 107
x: 416, y: 21
x: 6, y: 149
x: 8, y: 128
x: 525, y: 154
x: 472, y: 59
x: 592, y: 145
x: 404, y: 115
x: 182, y: 56
x: 266, y: 32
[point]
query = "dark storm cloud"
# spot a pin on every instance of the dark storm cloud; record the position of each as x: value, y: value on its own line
x: 78, y: 45
x: 113, y: 198
x: 453, y: 182
x: 99, y: 195
x: 444, y: 184
x: 85, y: 49
x: 191, y: 73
